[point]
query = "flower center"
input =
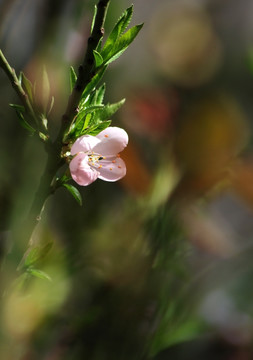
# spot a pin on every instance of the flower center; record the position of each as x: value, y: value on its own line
x: 94, y: 159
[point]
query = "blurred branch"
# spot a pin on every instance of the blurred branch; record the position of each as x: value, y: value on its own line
x: 86, y: 72
x: 10, y: 72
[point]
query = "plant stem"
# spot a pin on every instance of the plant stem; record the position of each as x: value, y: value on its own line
x: 86, y: 71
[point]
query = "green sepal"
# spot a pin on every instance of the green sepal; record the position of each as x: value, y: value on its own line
x: 98, y: 58
x: 20, y: 113
x: 27, y: 86
x: 121, y: 44
x: 38, y: 273
x: 74, y: 192
x: 72, y: 78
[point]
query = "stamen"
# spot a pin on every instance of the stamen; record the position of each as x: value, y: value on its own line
x: 119, y: 167
x: 110, y: 168
x: 113, y: 161
x: 118, y: 155
x: 106, y: 136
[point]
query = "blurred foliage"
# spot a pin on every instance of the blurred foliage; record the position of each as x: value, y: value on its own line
x: 158, y: 265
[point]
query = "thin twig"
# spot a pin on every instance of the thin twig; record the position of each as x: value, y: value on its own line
x: 10, y: 72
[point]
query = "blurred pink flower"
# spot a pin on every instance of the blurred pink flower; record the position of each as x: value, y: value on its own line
x: 98, y: 156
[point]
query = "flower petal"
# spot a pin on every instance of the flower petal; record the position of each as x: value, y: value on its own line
x: 112, y: 170
x: 112, y: 141
x: 80, y: 171
x: 84, y: 143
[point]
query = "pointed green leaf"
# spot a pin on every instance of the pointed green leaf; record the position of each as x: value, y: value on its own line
x: 43, y: 136
x: 19, y: 108
x: 19, y: 111
x: 100, y: 93
x: 45, y: 89
x: 64, y: 178
x: 94, y: 18
x: 37, y: 253
x: 121, y: 44
x: 74, y: 192
x: 118, y: 29
x: 39, y: 274
x: 108, y: 110
x: 27, y: 86
x: 72, y: 78
x: 81, y: 121
x: 44, y: 121
x: 115, y: 57
x: 94, y: 81
x: 98, y: 58
x: 96, y: 129
x: 51, y: 105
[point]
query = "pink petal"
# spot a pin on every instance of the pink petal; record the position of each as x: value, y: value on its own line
x: 112, y: 170
x: 112, y: 141
x: 84, y: 143
x: 80, y: 171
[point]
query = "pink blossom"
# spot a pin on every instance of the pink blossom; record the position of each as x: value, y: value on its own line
x: 98, y: 156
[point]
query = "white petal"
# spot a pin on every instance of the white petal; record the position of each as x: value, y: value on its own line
x: 84, y: 143
x: 112, y: 170
x: 80, y: 171
x: 112, y: 141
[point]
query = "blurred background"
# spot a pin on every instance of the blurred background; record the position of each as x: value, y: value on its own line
x: 158, y: 265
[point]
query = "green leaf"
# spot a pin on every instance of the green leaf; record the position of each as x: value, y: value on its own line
x: 51, y: 105
x: 43, y: 136
x: 98, y: 58
x: 94, y: 81
x: 81, y: 121
x: 39, y: 274
x: 45, y: 89
x: 19, y: 111
x: 108, y: 110
x: 63, y: 179
x: 94, y: 18
x: 118, y: 29
x: 72, y: 78
x: 37, y: 253
x: 44, y: 121
x: 96, y: 129
x: 100, y: 93
x: 27, y: 86
x: 74, y: 192
x: 121, y: 44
